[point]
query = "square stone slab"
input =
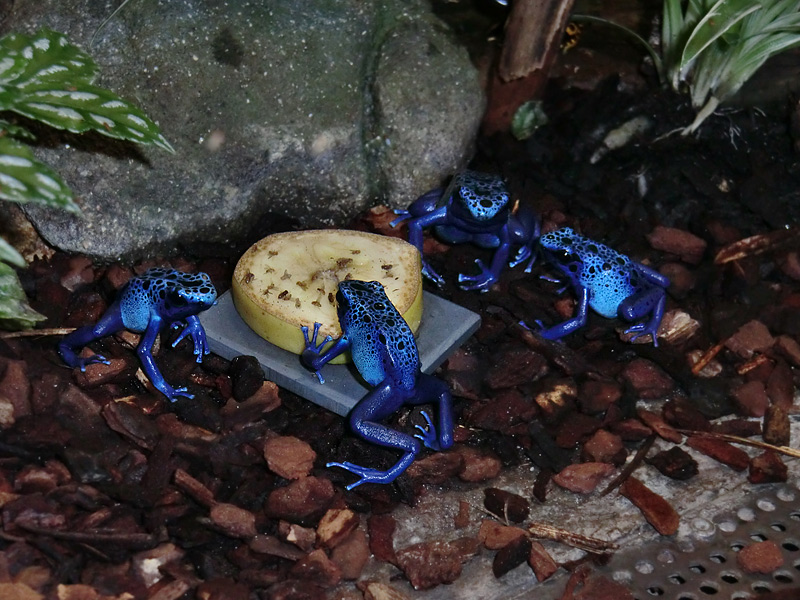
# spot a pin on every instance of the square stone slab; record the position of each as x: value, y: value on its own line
x: 445, y: 326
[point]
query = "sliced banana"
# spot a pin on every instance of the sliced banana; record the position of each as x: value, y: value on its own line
x: 287, y: 280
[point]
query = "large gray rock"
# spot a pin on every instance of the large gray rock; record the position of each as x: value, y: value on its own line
x: 312, y: 110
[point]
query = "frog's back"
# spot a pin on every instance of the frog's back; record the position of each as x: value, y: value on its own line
x: 609, y: 276
x: 381, y: 342
x: 482, y: 194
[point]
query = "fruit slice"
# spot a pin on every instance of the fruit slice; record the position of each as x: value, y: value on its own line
x: 290, y: 279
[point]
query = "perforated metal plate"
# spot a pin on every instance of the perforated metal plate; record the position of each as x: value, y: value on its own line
x: 706, y: 565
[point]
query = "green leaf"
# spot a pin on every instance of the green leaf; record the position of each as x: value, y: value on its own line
x: 44, y: 77
x: 715, y: 23
x: 7, y: 128
x: 45, y: 58
x: 15, y: 313
x: 23, y: 178
x: 528, y: 118
x: 89, y: 107
x: 9, y: 254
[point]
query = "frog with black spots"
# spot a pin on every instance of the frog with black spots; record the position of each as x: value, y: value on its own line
x: 147, y: 304
x: 385, y: 354
x: 473, y: 208
x: 606, y: 281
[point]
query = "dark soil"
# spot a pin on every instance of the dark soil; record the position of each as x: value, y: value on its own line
x: 105, y: 484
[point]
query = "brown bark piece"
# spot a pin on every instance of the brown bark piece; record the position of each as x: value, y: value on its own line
x: 675, y: 463
x: 335, y: 525
x: 777, y: 428
x: 352, y: 554
x: 234, y: 520
x: 688, y: 246
x: 647, y: 379
x: 511, y: 556
x: 767, y: 468
x: 541, y: 562
x: 461, y: 519
x: 494, y: 535
x: 657, y: 423
x: 750, y: 338
x: 381, y: 537
x: 435, y: 468
x: 721, y: 451
x: 506, y: 504
x: 658, y: 512
x: 751, y: 398
x: 596, y: 396
x: 478, y: 466
x: 604, y: 447
x: 317, y: 567
x: 761, y: 557
x: 429, y: 564
x: 375, y: 590
x: 301, y: 500
x: 289, y: 457
x: 583, y: 478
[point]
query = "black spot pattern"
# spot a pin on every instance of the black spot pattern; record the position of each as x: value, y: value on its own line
x: 609, y: 276
x: 158, y: 289
x: 381, y: 343
x: 483, y: 195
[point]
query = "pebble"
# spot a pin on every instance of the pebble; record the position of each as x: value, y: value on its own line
x: 761, y: 557
x: 583, y: 478
x: 289, y: 457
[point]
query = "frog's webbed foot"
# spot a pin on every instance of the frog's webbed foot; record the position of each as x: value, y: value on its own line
x: 313, y: 350
x: 173, y: 394
x: 367, y: 474
x: 428, y: 434
x: 641, y: 329
x: 427, y: 271
x: 523, y: 254
x: 403, y: 215
x: 480, y: 282
x: 81, y: 362
x: 194, y: 329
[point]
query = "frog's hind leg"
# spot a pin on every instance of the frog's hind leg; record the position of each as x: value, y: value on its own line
x: 647, y: 302
x: 70, y: 345
x: 378, y: 404
x: 431, y: 389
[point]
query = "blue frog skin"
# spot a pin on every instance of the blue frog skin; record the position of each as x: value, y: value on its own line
x: 606, y: 281
x: 473, y: 208
x: 147, y: 304
x: 385, y: 354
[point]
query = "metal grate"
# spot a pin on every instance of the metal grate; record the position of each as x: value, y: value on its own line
x: 703, y: 565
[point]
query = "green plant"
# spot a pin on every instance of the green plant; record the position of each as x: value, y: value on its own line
x: 47, y: 79
x: 710, y: 48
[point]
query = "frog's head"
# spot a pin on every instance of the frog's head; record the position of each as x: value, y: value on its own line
x: 561, y: 249
x: 480, y: 196
x: 353, y: 292
x: 194, y: 295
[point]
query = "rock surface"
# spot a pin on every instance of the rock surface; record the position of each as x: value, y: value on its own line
x: 291, y: 113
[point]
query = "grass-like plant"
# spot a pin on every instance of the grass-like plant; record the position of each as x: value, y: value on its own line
x: 710, y: 48
x: 45, y: 78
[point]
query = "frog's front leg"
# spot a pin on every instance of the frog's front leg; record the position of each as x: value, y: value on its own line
x: 375, y: 406
x: 145, y: 352
x: 194, y: 329
x: 422, y: 206
x: 68, y: 348
x: 312, y: 356
x: 647, y: 302
x: 525, y: 230
x: 579, y: 320
x: 489, y: 276
x: 415, y: 237
x: 431, y: 389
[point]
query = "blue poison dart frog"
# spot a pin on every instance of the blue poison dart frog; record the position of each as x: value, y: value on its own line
x: 386, y: 356
x: 146, y: 304
x: 609, y: 282
x: 473, y: 208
